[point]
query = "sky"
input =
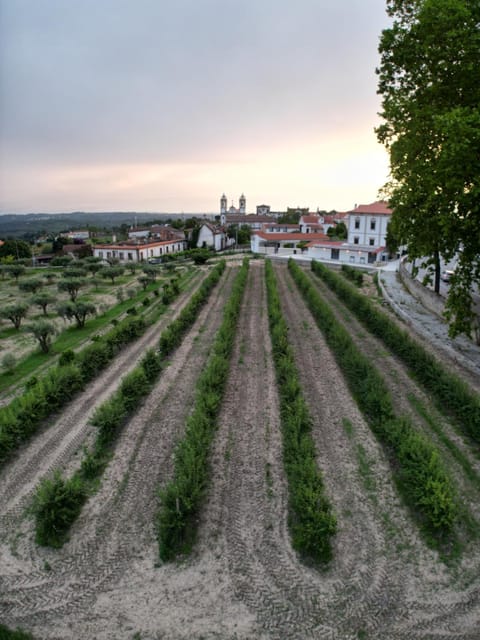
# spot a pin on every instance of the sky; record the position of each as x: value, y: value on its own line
x: 163, y: 105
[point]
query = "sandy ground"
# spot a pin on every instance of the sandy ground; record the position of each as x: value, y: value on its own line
x: 243, y: 580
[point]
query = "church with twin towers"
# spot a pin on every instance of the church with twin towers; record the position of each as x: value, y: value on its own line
x: 242, y: 206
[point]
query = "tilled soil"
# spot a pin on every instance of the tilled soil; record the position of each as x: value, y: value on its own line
x: 243, y: 581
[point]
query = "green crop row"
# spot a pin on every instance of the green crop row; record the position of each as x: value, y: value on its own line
x: 312, y: 522
x: 418, y: 470
x: 181, y: 499
x: 44, y: 396
x: 355, y: 275
x: 452, y: 394
x: 58, y: 501
x: 172, y: 336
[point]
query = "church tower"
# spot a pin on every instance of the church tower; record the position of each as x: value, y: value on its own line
x: 242, y: 205
x: 223, y: 204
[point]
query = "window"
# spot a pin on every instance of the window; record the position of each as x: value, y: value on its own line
x: 120, y: 255
x: 373, y: 224
x: 357, y: 223
x: 362, y: 259
x: 356, y: 240
x: 151, y: 253
x: 371, y: 241
x: 352, y: 258
x: 100, y: 254
x: 335, y: 255
x: 130, y: 256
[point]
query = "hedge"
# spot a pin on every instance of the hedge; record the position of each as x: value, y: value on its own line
x: 418, y: 470
x: 181, y: 499
x: 452, y: 394
x: 311, y: 519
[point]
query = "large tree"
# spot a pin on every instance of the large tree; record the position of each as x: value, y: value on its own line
x: 429, y: 80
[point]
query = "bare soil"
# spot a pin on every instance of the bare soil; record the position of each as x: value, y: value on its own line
x: 243, y: 580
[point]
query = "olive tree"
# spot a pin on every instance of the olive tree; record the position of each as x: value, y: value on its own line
x: 43, y: 332
x: 77, y: 311
x: 15, y: 313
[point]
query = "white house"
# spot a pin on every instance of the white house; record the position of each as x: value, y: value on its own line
x: 311, y: 223
x: 366, y: 243
x: 213, y: 237
x: 138, y: 252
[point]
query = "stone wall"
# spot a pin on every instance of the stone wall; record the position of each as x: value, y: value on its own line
x: 429, y: 299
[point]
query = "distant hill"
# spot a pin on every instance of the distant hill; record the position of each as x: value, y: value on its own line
x: 29, y: 225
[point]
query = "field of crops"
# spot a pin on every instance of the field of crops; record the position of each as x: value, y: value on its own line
x: 272, y: 458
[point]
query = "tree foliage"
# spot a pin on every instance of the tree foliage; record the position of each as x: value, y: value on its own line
x: 78, y: 310
x: 429, y: 83
x: 43, y: 332
x: 16, y: 248
x: 15, y: 313
x: 112, y: 272
x: 32, y: 285
x: 72, y: 286
x: 15, y: 270
x: 42, y: 300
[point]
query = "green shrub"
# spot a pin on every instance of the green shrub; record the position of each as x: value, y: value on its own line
x: 67, y: 357
x: 56, y: 504
x: 17, y: 634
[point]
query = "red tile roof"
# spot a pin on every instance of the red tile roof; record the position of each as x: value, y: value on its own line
x: 312, y: 218
x: 377, y: 208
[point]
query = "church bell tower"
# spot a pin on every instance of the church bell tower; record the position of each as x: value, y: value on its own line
x: 242, y: 208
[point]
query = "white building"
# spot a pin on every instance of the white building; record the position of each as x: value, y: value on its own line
x: 366, y: 242
x: 213, y: 237
x: 138, y: 252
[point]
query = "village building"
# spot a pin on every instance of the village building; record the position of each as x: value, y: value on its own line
x: 213, y: 237
x: 366, y: 243
x: 135, y: 251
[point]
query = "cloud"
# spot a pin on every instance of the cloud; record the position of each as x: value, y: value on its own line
x: 180, y: 82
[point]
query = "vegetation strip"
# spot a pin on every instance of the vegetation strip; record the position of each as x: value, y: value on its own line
x: 58, y: 501
x: 181, y: 499
x: 452, y: 394
x: 44, y: 396
x: 418, y: 470
x: 311, y: 519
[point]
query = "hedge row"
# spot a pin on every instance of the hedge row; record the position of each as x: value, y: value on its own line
x: 58, y: 501
x: 181, y: 498
x: 22, y: 417
x: 452, y: 394
x: 311, y: 520
x: 172, y: 336
x: 43, y: 397
x: 419, y: 472
x: 355, y: 275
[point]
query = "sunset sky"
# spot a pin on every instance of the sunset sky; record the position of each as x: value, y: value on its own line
x: 163, y: 105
